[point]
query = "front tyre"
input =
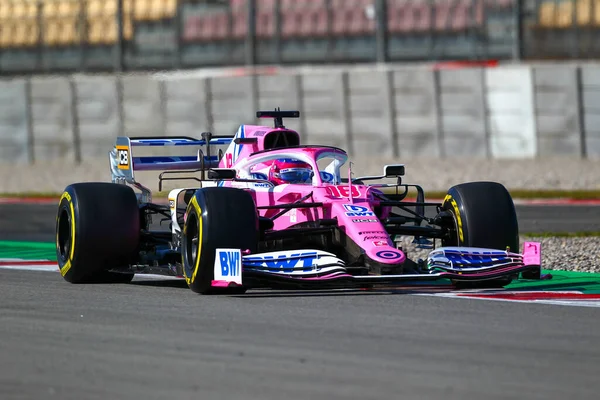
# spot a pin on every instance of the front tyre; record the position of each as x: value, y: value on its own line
x: 97, y: 230
x: 216, y: 217
x: 483, y: 215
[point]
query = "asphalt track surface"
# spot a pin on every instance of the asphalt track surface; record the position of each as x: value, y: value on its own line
x: 157, y: 340
x: 36, y: 222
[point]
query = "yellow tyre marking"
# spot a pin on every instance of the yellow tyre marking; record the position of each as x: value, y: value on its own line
x: 194, y: 203
x: 65, y: 268
x: 449, y: 199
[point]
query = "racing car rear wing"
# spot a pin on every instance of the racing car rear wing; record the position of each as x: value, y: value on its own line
x: 123, y: 163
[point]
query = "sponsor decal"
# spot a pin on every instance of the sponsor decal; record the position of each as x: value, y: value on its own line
x: 284, y: 263
x: 365, y: 220
x: 259, y: 175
x: 327, y: 177
x: 343, y: 191
x: 467, y: 256
x: 375, y: 237
x: 123, y: 157
x: 228, y: 265
x: 228, y: 160
x: 389, y: 254
x: 163, y: 142
x: 380, y: 243
x: 371, y: 232
x: 171, y: 204
x: 293, y: 215
x: 352, y: 210
x: 260, y: 133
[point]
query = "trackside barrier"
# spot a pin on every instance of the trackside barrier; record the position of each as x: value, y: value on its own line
x: 15, y: 134
x: 512, y: 111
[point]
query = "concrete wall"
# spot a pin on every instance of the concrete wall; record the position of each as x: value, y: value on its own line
x: 590, y: 90
x: 325, y: 109
x: 51, y: 106
x: 233, y: 100
x: 505, y: 112
x: 284, y: 91
x: 557, y: 111
x: 510, y: 112
x: 187, y: 107
x: 97, y: 113
x: 462, y: 105
x: 15, y: 140
x: 416, y: 113
x: 143, y: 106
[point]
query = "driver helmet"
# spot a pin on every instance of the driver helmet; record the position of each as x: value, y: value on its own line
x: 287, y: 170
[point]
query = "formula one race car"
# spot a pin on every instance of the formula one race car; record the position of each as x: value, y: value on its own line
x: 272, y: 213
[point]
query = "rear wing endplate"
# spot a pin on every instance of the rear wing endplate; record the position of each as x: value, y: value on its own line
x: 123, y: 162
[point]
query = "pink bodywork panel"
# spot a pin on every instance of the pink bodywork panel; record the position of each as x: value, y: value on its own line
x: 224, y: 284
x: 532, y: 253
x: 241, y: 151
x: 353, y: 206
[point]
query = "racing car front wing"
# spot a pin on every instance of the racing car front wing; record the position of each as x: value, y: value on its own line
x: 315, y: 269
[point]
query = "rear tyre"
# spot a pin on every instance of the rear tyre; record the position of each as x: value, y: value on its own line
x: 483, y: 215
x: 216, y: 217
x: 97, y: 230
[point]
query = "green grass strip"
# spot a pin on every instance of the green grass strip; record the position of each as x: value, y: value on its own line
x: 586, y: 282
x: 28, y: 250
x: 32, y: 195
x: 563, y: 234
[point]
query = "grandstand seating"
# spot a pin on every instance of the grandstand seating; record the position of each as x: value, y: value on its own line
x: 309, y: 18
x: 564, y: 14
x: 63, y: 21
x: 305, y: 24
x: 66, y: 22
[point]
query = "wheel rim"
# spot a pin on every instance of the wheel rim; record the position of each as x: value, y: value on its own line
x: 192, y: 243
x: 453, y: 229
x: 64, y: 235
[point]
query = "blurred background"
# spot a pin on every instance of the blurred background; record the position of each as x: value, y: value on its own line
x: 489, y: 79
x: 44, y: 36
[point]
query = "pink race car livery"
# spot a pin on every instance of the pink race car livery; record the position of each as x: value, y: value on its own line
x: 269, y: 212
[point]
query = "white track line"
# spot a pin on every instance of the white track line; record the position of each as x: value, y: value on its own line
x: 54, y: 268
x: 572, y: 303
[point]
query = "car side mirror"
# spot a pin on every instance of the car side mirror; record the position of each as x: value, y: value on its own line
x: 393, y: 170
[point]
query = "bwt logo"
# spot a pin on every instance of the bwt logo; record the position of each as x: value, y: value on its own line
x: 475, y: 259
x: 230, y: 263
x: 285, y: 263
x: 358, y: 211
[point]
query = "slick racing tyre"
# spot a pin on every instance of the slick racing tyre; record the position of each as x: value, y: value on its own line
x: 483, y: 215
x: 97, y: 230
x: 216, y: 217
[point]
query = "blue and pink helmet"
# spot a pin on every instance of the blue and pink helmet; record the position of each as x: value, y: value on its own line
x: 288, y: 170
